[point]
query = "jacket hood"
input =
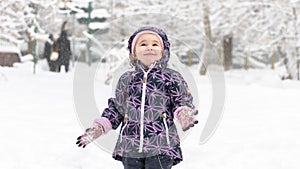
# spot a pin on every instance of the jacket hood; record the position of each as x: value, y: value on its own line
x: 162, y: 63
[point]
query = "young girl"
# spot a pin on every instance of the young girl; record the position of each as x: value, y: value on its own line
x: 147, y: 102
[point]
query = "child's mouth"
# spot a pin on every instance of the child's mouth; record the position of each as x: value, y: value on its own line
x: 150, y: 54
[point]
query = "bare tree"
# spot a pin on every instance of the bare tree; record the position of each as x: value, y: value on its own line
x: 208, y: 39
x: 227, y: 46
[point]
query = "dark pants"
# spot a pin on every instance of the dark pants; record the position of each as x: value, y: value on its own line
x: 66, y: 67
x: 154, y: 162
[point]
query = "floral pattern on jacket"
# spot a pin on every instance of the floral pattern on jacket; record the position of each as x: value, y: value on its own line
x: 166, y: 90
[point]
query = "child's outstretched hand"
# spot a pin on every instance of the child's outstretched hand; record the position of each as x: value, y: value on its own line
x: 186, y: 118
x: 90, y: 135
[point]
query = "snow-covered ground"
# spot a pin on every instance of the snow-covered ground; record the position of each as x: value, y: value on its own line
x: 259, y: 129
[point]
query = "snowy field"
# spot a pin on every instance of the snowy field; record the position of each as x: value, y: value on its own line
x: 259, y: 129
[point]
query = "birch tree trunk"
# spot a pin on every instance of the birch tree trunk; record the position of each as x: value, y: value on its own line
x: 297, y: 46
x: 286, y: 63
x: 208, y: 39
x: 227, y: 45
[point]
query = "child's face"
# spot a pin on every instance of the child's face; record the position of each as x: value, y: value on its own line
x: 148, y: 49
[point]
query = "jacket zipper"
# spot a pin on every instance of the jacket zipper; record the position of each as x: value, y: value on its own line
x: 143, y: 111
x: 143, y: 107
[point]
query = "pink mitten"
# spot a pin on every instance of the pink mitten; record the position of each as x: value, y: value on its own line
x: 90, y: 135
x: 186, y: 118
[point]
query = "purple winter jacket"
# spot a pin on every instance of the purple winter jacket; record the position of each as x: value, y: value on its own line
x: 145, y: 102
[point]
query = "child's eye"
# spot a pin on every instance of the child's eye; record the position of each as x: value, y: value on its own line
x: 143, y: 44
x: 155, y: 44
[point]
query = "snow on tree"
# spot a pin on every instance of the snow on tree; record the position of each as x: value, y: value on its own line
x: 257, y: 31
x: 23, y: 21
x: 256, y: 27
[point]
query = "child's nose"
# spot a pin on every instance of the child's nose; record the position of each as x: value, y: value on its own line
x: 149, y: 47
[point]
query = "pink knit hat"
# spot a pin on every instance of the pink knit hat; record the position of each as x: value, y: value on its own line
x: 143, y: 32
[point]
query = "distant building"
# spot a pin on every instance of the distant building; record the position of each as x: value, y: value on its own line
x: 9, y: 53
x: 189, y: 57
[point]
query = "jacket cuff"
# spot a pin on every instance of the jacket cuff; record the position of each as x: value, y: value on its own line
x: 179, y: 109
x: 103, y: 121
